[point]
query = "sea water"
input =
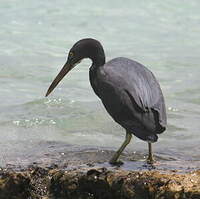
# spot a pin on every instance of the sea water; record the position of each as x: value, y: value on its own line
x: 35, y: 39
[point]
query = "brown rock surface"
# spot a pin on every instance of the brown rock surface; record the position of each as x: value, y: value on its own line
x: 102, y: 183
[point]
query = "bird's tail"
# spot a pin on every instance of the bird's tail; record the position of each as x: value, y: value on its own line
x: 152, y: 138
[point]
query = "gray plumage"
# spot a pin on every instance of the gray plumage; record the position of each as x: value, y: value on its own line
x: 132, y: 96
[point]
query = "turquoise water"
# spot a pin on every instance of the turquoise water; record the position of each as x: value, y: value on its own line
x: 35, y: 38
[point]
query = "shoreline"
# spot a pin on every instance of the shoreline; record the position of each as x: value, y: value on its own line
x: 62, y: 171
x: 98, y: 183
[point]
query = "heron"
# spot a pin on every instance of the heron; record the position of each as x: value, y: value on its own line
x: 128, y: 90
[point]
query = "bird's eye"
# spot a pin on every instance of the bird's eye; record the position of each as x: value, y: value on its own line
x: 71, y: 54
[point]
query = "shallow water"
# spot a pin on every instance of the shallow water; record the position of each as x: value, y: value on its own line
x: 35, y: 39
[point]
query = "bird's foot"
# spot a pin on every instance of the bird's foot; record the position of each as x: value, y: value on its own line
x: 116, y: 163
x: 150, y: 160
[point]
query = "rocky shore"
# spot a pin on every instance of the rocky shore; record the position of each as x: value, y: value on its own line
x: 98, y: 183
x: 59, y: 171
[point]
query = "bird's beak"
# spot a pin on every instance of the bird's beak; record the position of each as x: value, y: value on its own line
x: 66, y: 68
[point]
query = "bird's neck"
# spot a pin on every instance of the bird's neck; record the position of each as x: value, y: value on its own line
x: 95, y: 51
x: 98, y: 60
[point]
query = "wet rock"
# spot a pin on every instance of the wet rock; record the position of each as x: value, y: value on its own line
x: 14, y: 185
x: 43, y: 183
x: 39, y: 182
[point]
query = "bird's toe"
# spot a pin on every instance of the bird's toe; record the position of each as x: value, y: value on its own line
x: 116, y: 163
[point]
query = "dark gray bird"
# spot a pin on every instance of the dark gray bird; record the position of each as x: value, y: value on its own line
x: 127, y: 89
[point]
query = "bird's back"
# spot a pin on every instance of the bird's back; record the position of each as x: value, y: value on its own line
x: 132, y: 96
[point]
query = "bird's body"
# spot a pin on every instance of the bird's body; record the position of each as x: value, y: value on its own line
x: 131, y: 95
x: 127, y: 89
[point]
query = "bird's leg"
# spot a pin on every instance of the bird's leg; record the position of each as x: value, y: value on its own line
x: 113, y: 160
x: 150, y: 159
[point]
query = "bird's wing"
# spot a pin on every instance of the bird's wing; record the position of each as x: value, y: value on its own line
x: 138, y: 82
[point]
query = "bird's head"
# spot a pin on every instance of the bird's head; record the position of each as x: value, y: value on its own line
x: 85, y: 48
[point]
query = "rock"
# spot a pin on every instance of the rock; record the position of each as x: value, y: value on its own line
x: 43, y: 183
x: 14, y: 185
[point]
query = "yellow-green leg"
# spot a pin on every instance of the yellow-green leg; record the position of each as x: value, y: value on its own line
x: 150, y: 159
x: 115, y: 157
